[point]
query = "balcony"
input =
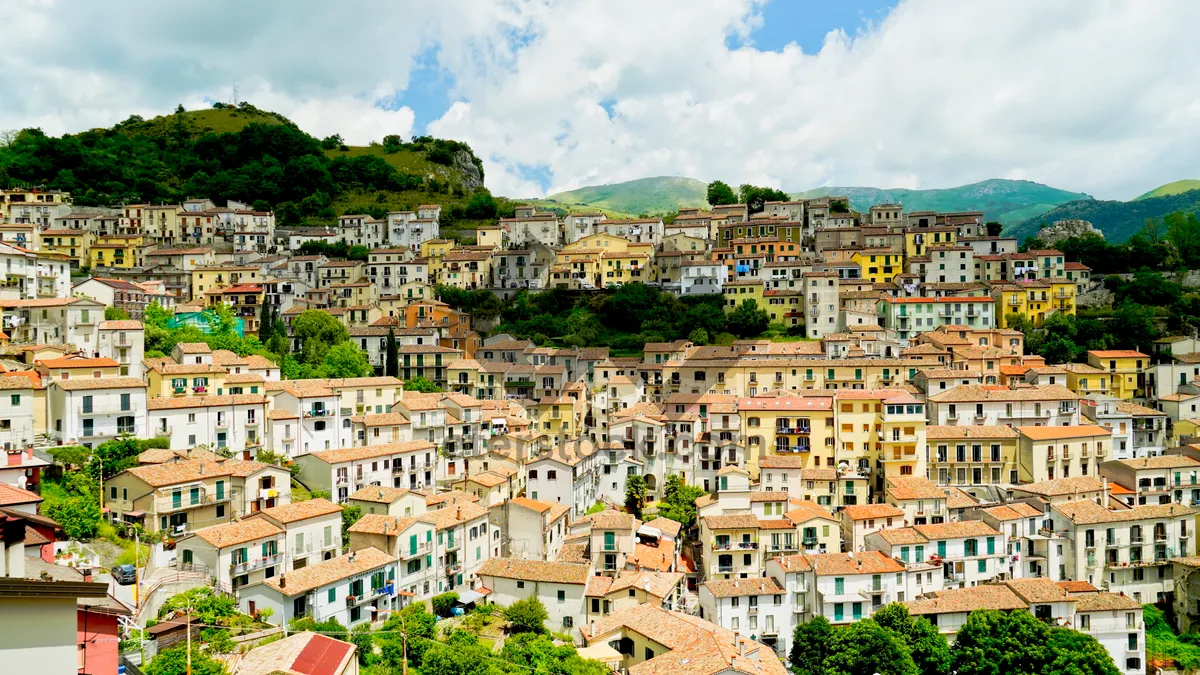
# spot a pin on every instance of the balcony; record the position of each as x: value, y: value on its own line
x: 735, y: 546
x: 793, y: 430
x: 453, y: 544
x: 422, y: 548
x: 237, y: 569
x: 105, y: 408
x: 318, y: 412
x: 725, y: 569
x: 186, y: 501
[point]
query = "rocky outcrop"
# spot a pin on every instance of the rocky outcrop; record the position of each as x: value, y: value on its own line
x: 1065, y: 229
x: 468, y: 171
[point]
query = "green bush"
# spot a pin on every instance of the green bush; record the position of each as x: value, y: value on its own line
x: 443, y: 605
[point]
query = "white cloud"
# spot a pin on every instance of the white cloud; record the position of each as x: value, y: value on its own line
x: 1092, y: 96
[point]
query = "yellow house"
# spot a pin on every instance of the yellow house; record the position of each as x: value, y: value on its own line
x: 556, y: 417
x: 788, y: 425
x: 1050, y: 453
x: 168, y: 380
x: 489, y: 235
x: 577, y: 268
x: 1033, y: 300
x: 467, y: 269
x: 1084, y: 379
x: 1062, y: 296
x: 878, y: 265
x: 880, y: 428
x: 354, y: 294
x: 211, y: 277
x: 974, y: 455
x: 607, y: 243
x: 738, y: 291
x: 115, y: 250
x: 433, y: 250
x: 918, y: 240
x: 72, y: 243
x: 1125, y: 368
x: 623, y: 268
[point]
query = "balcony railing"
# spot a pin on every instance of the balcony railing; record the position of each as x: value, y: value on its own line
x: 186, y: 501
x: 734, y: 545
x: 319, y: 412
x: 237, y: 569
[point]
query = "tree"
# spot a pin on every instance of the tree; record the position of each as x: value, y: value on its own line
x: 392, y: 143
x: 350, y: 516
x: 748, y: 320
x: 155, y: 315
x: 635, y: 494
x: 755, y: 198
x: 719, y: 193
x: 68, y: 456
x: 115, y: 314
x: 347, y: 360
x: 866, y: 648
x: 699, y: 337
x: 679, y: 501
x: 810, y: 646
x: 993, y: 642
x: 421, y: 385
x: 456, y: 659
x: 1137, y: 328
x: 173, y: 661
x: 391, y: 363
x: 539, y: 653
x: 928, y: 648
x: 527, y: 616
x: 482, y: 206
x: 994, y: 228
x: 360, y: 635
x: 317, y: 332
x: 1073, y: 653
x: 266, y: 323
x: 443, y: 605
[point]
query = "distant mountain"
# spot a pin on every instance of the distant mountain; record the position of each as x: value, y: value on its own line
x: 1008, y: 201
x: 1172, y: 189
x: 661, y: 194
x: 1118, y: 220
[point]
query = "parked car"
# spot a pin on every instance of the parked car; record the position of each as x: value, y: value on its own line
x: 124, y: 574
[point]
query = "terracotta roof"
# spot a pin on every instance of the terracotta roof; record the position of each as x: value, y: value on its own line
x: 181, y: 402
x: 731, y: 522
x: 730, y: 588
x: 1104, y: 602
x: 1062, y: 486
x: 913, y: 487
x: 611, y: 520
x: 366, y: 452
x: 378, y: 523
x: 324, y: 573
x: 173, y: 473
x: 1088, y: 512
x: 241, y: 532
x: 312, y: 508
x: 1160, y: 462
x: 299, y: 654
x: 974, y: 392
x: 986, y: 596
x: 872, y: 511
x: 666, y: 525
x: 941, y: 432
x: 1046, y: 433
x: 10, y: 496
x: 102, y: 383
x: 535, y: 570
x: 382, y: 494
x: 863, y: 562
x: 453, y: 515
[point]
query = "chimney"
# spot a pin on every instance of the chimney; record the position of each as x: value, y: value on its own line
x: 283, y: 581
x: 458, y: 513
x: 87, y: 575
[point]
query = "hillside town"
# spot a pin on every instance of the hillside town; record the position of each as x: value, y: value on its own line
x: 685, y: 509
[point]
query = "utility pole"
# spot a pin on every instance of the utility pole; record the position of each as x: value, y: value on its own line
x: 189, y: 639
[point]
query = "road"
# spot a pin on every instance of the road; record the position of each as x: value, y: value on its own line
x: 122, y: 593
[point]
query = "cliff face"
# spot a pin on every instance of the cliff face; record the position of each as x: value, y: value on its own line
x: 1065, y: 229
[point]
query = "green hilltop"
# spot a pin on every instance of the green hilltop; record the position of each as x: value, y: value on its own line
x: 1174, y: 188
x: 657, y: 195
x: 1008, y: 201
x: 1116, y: 219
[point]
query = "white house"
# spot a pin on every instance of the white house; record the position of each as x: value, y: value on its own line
x: 352, y: 588
x: 17, y: 419
x: 236, y: 554
x: 535, y: 529
x: 346, y: 470
x: 968, y: 553
x: 124, y: 342
x: 311, y: 528
x: 560, y: 586
x: 232, y: 422
x: 90, y: 412
x: 757, y: 607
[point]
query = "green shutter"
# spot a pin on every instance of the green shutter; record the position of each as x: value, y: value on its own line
x: 991, y: 545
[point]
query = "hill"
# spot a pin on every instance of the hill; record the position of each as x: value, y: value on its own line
x: 1008, y: 201
x: 658, y: 195
x: 1175, y: 188
x: 1117, y: 220
x: 249, y: 155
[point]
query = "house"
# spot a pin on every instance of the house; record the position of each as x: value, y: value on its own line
x: 968, y: 553
x: 391, y: 501
x: 532, y: 530
x: 236, y: 554
x: 755, y: 606
x: 559, y: 586
x: 862, y: 519
x: 411, y: 542
x: 231, y: 422
x: 304, y: 653
x: 312, y: 529
x: 182, y: 495
x: 654, y: 640
x: 351, y: 588
x: 98, y: 618
x: 345, y: 470
x: 91, y: 411
x: 1156, y: 480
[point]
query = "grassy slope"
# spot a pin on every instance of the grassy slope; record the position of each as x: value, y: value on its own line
x: 1163, y: 643
x: 1008, y: 201
x: 1175, y: 188
x: 1118, y: 220
x: 660, y: 194
x: 228, y: 120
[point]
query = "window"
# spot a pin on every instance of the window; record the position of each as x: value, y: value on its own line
x: 562, y: 596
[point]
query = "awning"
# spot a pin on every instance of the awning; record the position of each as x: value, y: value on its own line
x: 467, y: 597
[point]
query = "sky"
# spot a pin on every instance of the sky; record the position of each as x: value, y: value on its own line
x: 1095, y: 96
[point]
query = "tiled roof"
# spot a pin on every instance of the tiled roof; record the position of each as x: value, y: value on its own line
x: 986, y: 596
x: 453, y: 515
x: 310, y: 578
x: 368, y: 451
x: 1161, y: 462
x: 312, y: 508
x: 1088, y: 512
x: 173, y: 473
x: 102, y: 383
x: 611, y: 520
x: 1038, y: 590
x: 1062, y: 486
x: 241, y: 532
x: 1104, y: 602
x: 378, y: 523
x: 299, y: 654
x: 666, y: 525
x: 730, y: 588
x: 181, y: 402
x: 1047, y: 433
x: 904, y: 488
x: 730, y: 522
x: 10, y: 496
x: 535, y: 570
x: 863, y: 562
x: 382, y: 494
x: 872, y: 511
x: 940, y: 432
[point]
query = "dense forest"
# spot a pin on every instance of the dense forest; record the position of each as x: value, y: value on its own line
x: 265, y: 161
x: 1118, y: 220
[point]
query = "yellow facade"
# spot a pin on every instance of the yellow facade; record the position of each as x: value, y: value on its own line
x: 975, y: 455
x: 878, y: 265
x: 555, y: 417
x: 918, y: 241
x: 624, y: 268
x: 72, y: 243
x: 119, y: 251
x: 1125, y: 369
x: 434, y: 250
x: 211, y: 278
x: 772, y: 429
x: 186, y: 380
x: 738, y: 291
x: 1036, y: 301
